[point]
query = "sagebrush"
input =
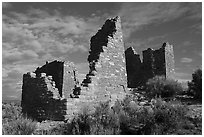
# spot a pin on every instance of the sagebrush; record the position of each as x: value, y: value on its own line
x: 159, y: 86
x: 195, y: 86
x: 14, y: 123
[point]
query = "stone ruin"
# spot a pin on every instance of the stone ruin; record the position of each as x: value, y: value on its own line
x: 45, y: 90
x: 53, y: 92
x: 107, y: 74
x: 158, y: 62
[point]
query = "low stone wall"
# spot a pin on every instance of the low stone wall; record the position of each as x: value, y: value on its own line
x: 41, y: 99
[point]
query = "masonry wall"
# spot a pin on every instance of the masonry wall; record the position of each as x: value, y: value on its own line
x: 41, y: 99
x: 70, y: 79
x: 133, y: 67
x: 107, y: 77
x: 169, y: 59
x: 148, y: 66
x: 54, y: 69
x: 155, y: 62
x: 159, y: 62
x: 47, y: 92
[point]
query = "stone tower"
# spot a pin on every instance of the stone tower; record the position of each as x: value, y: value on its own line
x: 158, y: 62
x: 107, y: 74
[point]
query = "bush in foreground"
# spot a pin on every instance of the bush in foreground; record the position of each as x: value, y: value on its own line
x: 159, y: 86
x: 10, y: 112
x: 102, y: 122
x: 195, y: 86
x: 162, y: 118
x: 21, y: 126
x: 13, y: 123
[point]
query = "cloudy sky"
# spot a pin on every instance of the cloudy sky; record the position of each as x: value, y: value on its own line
x: 33, y: 33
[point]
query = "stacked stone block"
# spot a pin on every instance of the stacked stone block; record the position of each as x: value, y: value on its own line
x: 70, y: 81
x: 133, y: 66
x: 55, y: 69
x: 148, y: 66
x: 41, y: 99
x: 159, y: 62
x: 45, y: 92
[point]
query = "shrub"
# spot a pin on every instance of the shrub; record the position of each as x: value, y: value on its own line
x: 159, y: 86
x: 164, y: 118
x: 105, y: 120
x: 127, y: 118
x: 10, y: 112
x: 21, y: 126
x: 195, y: 86
x: 13, y: 123
x: 134, y: 122
x: 81, y: 124
x: 168, y: 116
x: 102, y: 122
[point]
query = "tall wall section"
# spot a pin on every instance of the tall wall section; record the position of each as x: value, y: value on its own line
x: 169, y: 59
x: 159, y: 62
x: 70, y: 75
x: 107, y: 75
x: 133, y: 67
x: 148, y: 65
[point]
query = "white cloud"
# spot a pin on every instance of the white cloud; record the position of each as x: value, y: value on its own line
x: 181, y: 74
x: 12, y: 78
x: 39, y: 33
x: 18, y: 37
x: 186, y: 60
x: 14, y: 55
x: 5, y: 72
x: 187, y: 43
x: 136, y: 15
x: 31, y: 38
